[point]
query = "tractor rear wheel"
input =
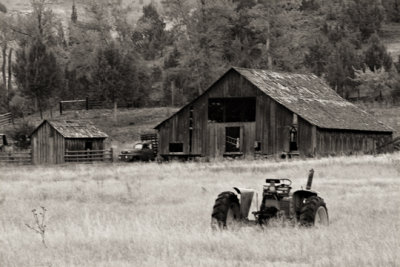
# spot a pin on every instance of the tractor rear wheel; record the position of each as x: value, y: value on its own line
x: 314, y: 212
x: 226, y: 211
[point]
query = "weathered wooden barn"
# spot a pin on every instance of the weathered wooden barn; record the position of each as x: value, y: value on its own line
x: 53, y: 139
x: 249, y: 112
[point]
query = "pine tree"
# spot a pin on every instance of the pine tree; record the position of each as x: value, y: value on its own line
x: 74, y: 15
x: 376, y: 55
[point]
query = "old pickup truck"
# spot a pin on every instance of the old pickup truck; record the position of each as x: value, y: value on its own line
x: 146, y: 150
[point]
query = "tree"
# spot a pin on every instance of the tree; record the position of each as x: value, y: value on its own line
x: 365, y: 16
x: 74, y: 14
x: 317, y: 56
x: 373, y: 83
x: 37, y: 73
x: 376, y: 55
x: 151, y: 32
x: 3, y: 8
x: 392, y: 10
x: 340, y: 68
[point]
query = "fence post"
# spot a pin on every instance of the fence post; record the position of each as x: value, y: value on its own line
x: 60, y: 108
x: 112, y: 154
x: 87, y: 103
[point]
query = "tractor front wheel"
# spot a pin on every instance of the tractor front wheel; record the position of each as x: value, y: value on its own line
x: 226, y: 211
x: 314, y: 212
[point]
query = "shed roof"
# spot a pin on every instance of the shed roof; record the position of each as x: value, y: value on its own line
x: 312, y: 99
x: 75, y: 129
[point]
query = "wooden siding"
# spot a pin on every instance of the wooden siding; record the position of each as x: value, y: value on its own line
x: 339, y: 142
x: 47, y: 146
x: 79, y: 144
x: 306, y: 138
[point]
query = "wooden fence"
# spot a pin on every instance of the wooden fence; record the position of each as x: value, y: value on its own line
x: 88, y: 156
x: 6, y: 119
x: 16, y: 157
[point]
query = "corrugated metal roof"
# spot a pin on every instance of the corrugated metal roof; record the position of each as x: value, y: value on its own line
x: 312, y: 99
x: 76, y: 129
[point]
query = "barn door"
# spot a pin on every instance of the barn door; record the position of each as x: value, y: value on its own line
x: 233, y: 139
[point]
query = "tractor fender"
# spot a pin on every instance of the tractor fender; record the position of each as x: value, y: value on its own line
x: 246, y: 197
x: 300, y: 195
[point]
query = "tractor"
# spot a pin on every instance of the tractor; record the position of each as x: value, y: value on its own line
x: 304, y: 207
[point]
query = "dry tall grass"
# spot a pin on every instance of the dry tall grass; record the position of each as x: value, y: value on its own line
x: 159, y: 215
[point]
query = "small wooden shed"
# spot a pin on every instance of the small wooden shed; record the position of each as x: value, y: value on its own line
x: 249, y: 112
x: 52, y: 139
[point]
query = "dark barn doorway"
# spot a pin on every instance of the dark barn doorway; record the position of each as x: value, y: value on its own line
x: 293, y: 139
x: 232, y: 139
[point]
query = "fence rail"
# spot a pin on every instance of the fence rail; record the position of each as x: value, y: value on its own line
x: 6, y: 119
x: 87, y: 156
x: 16, y: 157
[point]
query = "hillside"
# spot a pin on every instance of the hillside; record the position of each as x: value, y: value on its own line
x: 63, y: 7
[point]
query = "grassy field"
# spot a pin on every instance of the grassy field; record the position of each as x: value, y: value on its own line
x: 159, y: 215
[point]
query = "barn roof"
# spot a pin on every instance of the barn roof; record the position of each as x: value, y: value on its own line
x: 312, y: 99
x: 75, y: 129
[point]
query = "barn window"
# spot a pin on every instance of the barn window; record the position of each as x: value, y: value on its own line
x: 238, y: 109
x: 175, y: 147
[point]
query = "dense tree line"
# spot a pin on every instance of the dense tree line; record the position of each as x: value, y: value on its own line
x: 176, y: 49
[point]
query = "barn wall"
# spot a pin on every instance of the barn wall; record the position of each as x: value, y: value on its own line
x: 337, y: 142
x: 306, y: 138
x: 79, y: 143
x: 47, y: 145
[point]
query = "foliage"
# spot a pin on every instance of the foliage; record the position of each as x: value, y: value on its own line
x: 376, y: 55
x: 364, y: 15
x: 174, y: 51
x: 374, y: 83
x: 392, y: 8
x: 150, y: 33
x: 37, y: 73
x: 3, y: 8
x: 21, y: 133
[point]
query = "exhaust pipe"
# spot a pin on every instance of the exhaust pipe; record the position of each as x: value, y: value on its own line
x: 310, y: 178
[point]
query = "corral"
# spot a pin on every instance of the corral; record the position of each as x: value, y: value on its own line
x: 249, y: 112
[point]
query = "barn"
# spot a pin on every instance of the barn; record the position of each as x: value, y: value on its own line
x: 53, y: 139
x: 250, y: 113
